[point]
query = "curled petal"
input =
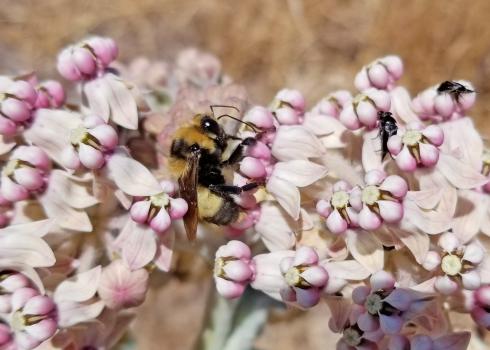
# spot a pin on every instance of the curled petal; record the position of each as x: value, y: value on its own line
x: 229, y: 289
x: 69, y: 158
x: 369, y: 220
x: 434, y: 134
x: 390, y: 324
x: 474, y: 253
x: 429, y: 154
x: 178, y: 208
x: 375, y: 177
x: 235, y: 249
x: 445, y: 285
x: 305, y: 256
x: 355, y: 198
x: 90, y: 157
x: 238, y: 270
x: 367, y: 114
x: 390, y: 211
x: 317, y: 276
x: 382, y: 280
x: 161, y: 221
x: 336, y: 223
x: 29, y: 178
x: 378, y: 75
x: 395, y: 144
x: 367, y: 322
x: 286, y: 264
x: 449, y: 242
x: 360, y: 294
x: 471, y: 280
x: 288, y: 294
x: 349, y: 118
x: 323, y: 208
x: 444, y: 105
x: 39, y: 305
x: 140, y: 210
x: 405, y: 160
x: 106, y: 135
x: 432, y: 260
x: 396, y: 185
x: 307, y: 297
x: 12, y: 191
x: 22, y: 296
x: 400, y: 299
x: 42, y: 330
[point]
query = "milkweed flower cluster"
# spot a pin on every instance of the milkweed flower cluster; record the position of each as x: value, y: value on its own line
x: 393, y: 246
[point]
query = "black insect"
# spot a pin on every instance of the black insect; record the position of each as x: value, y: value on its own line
x: 387, y: 128
x: 454, y: 88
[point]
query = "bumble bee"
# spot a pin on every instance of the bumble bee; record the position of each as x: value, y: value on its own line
x: 454, y: 88
x: 197, y: 158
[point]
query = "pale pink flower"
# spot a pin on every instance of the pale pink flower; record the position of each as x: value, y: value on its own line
x: 85, y: 59
x: 416, y: 146
x: 120, y: 287
x: 333, y: 104
x: 441, y: 106
x: 383, y: 304
x: 32, y: 318
x: 233, y: 269
x: 337, y: 210
x: 460, y: 264
x: 90, y: 143
x: 363, y: 111
x: 381, y: 74
x: 10, y: 281
x: 291, y: 98
x: 25, y: 173
x: 17, y: 103
x: 50, y: 94
x: 158, y: 211
x: 304, y: 277
x: 380, y: 200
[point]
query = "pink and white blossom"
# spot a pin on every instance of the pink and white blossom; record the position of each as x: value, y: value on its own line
x: 85, y: 59
x: 89, y: 144
x: 459, y: 264
x: 338, y: 211
x: 304, y: 278
x: 333, y: 103
x: 50, y: 94
x: 17, y: 104
x: 380, y: 200
x: 364, y: 108
x: 233, y: 269
x: 380, y: 74
x: 25, y: 173
x: 417, y: 146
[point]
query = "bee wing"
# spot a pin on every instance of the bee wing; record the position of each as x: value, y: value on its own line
x: 188, y: 191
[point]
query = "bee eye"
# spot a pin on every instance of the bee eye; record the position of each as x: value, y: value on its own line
x: 210, y: 126
x: 194, y: 147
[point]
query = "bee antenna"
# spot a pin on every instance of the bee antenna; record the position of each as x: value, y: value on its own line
x: 223, y: 106
x: 250, y: 125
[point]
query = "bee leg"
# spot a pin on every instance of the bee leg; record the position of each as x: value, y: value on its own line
x: 230, y: 189
x: 237, y: 153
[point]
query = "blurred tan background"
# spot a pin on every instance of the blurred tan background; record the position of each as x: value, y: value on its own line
x: 313, y: 45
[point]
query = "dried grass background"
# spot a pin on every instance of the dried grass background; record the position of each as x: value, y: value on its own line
x: 313, y: 45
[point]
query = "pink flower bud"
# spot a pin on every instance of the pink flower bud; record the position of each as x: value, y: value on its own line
x: 22, y: 90
x: 50, y: 95
x: 7, y: 126
x: 16, y: 110
x: 381, y: 74
x: 140, y: 210
x: 67, y: 67
x: 120, y: 287
x: 161, y: 222
x: 259, y: 150
x: 287, y: 116
x: 232, y: 269
x: 178, y: 208
x: 260, y: 117
x: 294, y: 98
x: 363, y: 111
x: 252, y: 168
x: 333, y: 104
